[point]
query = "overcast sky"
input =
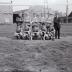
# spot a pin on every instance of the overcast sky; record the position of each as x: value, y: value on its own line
x: 59, y: 5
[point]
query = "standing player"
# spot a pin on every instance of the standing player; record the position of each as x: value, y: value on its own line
x: 57, y: 26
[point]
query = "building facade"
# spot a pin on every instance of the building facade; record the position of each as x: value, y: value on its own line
x: 6, y: 14
x: 36, y: 13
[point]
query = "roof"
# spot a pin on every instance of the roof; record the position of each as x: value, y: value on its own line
x: 70, y: 15
x: 20, y: 11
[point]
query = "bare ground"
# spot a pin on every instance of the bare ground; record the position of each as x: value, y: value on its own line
x: 49, y: 56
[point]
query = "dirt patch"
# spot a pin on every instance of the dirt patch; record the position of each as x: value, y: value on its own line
x: 49, y: 56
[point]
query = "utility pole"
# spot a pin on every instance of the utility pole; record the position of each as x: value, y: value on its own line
x: 47, y: 9
x: 11, y: 2
x: 45, y: 2
x: 12, y: 9
x: 67, y: 12
x: 44, y: 8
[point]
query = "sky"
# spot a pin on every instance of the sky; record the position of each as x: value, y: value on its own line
x: 59, y: 5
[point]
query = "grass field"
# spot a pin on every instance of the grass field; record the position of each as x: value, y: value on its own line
x: 66, y: 29
x: 8, y: 30
x: 49, y: 56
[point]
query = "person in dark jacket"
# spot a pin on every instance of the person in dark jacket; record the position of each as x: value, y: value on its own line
x: 57, y: 27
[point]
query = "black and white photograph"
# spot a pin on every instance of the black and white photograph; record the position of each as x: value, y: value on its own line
x: 35, y: 35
